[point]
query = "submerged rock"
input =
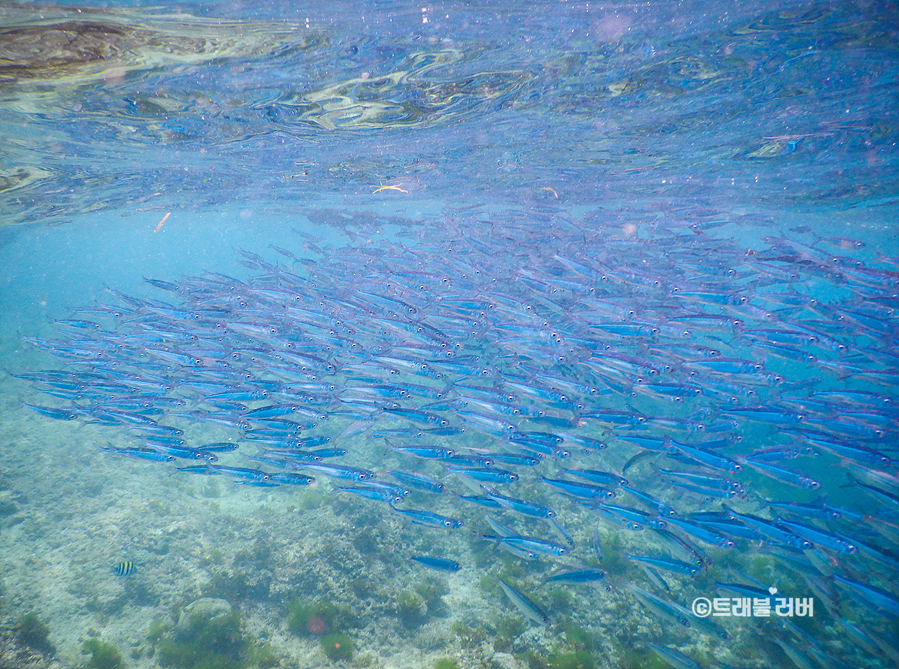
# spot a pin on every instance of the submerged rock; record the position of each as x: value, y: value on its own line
x: 16, y: 654
x: 200, y: 614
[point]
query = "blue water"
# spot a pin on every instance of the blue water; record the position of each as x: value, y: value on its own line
x: 503, y: 219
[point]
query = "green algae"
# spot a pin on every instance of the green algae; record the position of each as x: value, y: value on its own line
x: 199, y: 642
x: 103, y: 655
x: 411, y: 608
x: 446, y: 663
x: 34, y: 633
x: 315, y: 618
x: 338, y: 646
x: 579, y: 659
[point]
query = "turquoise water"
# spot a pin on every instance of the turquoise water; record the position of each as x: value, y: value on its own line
x: 525, y: 227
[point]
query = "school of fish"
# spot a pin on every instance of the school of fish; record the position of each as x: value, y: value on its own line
x: 671, y: 383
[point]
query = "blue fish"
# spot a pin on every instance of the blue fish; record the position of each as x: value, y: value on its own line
x: 428, y: 518
x: 574, y: 576
x: 438, y: 563
x: 667, y: 564
x: 577, y: 489
x: 418, y: 481
x: 528, y: 608
x: 485, y: 474
x: 338, y: 471
x: 373, y: 493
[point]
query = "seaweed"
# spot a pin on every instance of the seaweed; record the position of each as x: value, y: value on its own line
x: 578, y: 638
x: 579, y: 659
x: 411, y: 608
x: 103, y: 655
x: 446, y: 663
x: 34, y: 633
x: 338, y: 646
x: 316, y: 618
x: 507, y: 630
x: 470, y: 634
x: 634, y: 658
x: 432, y: 591
x: 204, y: 641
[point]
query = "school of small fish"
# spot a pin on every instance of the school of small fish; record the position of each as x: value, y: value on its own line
x: 722, y: 401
